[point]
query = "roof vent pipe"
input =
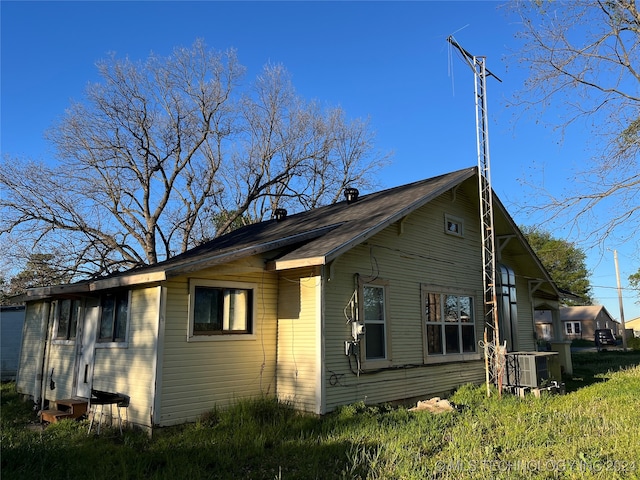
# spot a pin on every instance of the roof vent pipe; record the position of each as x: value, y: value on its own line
x: 351, y: 194
x: 280, y: 214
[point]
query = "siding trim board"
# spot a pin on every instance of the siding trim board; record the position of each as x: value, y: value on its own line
x: 319, y: 328
x: 156, y: 397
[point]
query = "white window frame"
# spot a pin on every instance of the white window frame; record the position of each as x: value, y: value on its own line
x: 381, y: 361
x: 101, y: 343
x: 453, y: 225
x: 229, y: 336
x: 572, y: 326
x: 445, y: 357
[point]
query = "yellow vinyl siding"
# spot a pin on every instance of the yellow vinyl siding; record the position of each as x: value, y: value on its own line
x: 130, y: 370
x: 298, y: 360
x: 33, y: 337
x: 59, y: 364
x: 196, y: 376
x: 407, y: 254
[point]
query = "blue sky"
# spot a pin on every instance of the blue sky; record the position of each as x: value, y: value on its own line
x: 388, y: 61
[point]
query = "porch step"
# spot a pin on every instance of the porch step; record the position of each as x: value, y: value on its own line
x: 66, y: 408
x: 53, y: 416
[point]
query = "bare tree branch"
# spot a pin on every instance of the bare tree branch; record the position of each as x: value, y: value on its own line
x: 584, y: 59
x: 165, y: 154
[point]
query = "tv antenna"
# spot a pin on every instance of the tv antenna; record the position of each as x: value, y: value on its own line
x: 494, y: 352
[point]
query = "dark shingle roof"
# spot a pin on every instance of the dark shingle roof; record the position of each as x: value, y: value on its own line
x: 314, y: 237
x: 321, y: 234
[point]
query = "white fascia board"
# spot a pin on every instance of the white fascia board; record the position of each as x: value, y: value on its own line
x: 296, y: 263
x: 127, y: 281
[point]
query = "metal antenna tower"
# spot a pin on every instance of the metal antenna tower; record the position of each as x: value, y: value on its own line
x: 494, y: 352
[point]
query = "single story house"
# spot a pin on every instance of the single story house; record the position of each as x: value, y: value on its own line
x: 375, y: 299
x: 581, y: 322
x: 634, y: 326
x: 11, y: 323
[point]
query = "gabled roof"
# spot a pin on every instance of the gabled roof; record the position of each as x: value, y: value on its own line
x: 317, y: 236
x: 586, y: 312
x: 314, y: 237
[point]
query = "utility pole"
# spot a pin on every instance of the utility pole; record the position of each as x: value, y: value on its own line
x: 624, y: 332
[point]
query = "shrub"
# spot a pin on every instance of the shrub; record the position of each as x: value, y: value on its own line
x: 582, y: 342
x: 634, y: 343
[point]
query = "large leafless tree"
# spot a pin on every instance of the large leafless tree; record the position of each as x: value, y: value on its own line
x: 165, y: 154
x: 584, y: 61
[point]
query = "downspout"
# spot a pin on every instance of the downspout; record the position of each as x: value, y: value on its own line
x: 41, y: 377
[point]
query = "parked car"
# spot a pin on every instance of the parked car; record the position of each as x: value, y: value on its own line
x: 604, y: 337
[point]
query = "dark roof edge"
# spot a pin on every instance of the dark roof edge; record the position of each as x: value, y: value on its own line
x: 209, y: 261
x: 525, y: 243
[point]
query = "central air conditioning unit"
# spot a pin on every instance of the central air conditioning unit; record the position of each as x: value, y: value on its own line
x: 528, y: 369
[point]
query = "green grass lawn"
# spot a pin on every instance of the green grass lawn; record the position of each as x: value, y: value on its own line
x: 591, y: 432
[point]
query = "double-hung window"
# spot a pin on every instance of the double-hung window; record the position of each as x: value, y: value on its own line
x: 374, y: 314
x: 114, y: 316
x: 68, y: 312
x: 449, y: 322
x: 220, y: 309
x: 572, y: 328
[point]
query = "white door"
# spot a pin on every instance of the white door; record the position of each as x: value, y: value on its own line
x: 86, y: 348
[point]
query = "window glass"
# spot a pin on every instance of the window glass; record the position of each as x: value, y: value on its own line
x: 114, y: 317
x: 106, y: 319
x: 451, y: 308
x: 468, y: 339
x: 236, y: 304
x: 466, y: 314
x: 432, y: 307
x: 452, y: 334
x: 73, y: 324
x: 64, y: 317
x: 373, y: 303
x: 434, y: 339
x: 121, y: 314
x: 374, y: 320
x: 67, y: 312
x: 375, y: 341
x: 221, y: 310
x: 450, y: 325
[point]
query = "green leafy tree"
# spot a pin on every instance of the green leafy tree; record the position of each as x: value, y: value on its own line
x: 564, y: 261
x: 41, y: 270
x: 634, y: 282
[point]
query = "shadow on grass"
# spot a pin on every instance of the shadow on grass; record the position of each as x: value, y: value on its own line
x: 104, y: 459
x: 252, y: 440
x: 592, y: 367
